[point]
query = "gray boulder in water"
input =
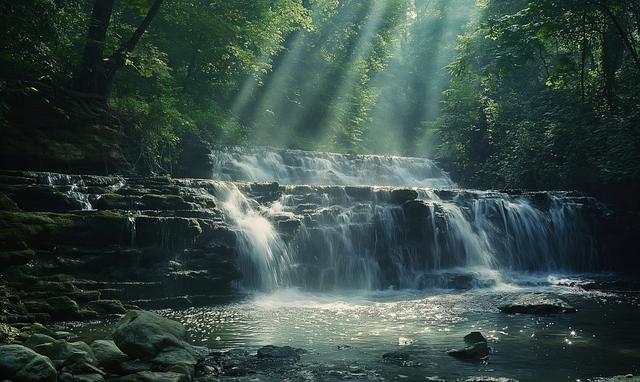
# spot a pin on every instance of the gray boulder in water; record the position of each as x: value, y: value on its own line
x: 150, y: 337
x: 476, y: 351
x: 278, y: 353
x: 474, y: 338
x: 537, y: 304
x: 21, y: 364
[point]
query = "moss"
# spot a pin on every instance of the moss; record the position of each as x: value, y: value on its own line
x: 16, y: 257
x: 165, y: 202
x: 7, y: 204
x: 113, y: 201
x: 106, y: 307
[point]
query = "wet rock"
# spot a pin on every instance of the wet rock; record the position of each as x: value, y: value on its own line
x: 36, y: 306
x: 7, y: 333
x: 108, y: 355
x: 38, y: 339
x: 402, y: 195
x: 476, y: 351
x: 536, y: 304
x: 279, y: 353
x: 165, y: 202
x: 82, y: 296
x: 16, y: 257
x: 134, y: 366
x: 21, y: 364
x: 399, y: 358
x: 36, y: 328
x: 38, y: 198
x: 151, y: 337
x: 6, y: 204
x: 106, y: 307
x: 62, y: 352
x: 474, y: 337
x: 489, y: 379
x: 63, y: 308
x: 150, y: 376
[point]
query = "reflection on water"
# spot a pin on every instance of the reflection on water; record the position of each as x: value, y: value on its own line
x: 346, y: 334
x: 353, y: 331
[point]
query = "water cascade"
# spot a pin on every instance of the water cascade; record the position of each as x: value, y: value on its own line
x: 310, y: 167
x: 377, y: 235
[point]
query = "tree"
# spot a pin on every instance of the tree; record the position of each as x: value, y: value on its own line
x: 97, y: 73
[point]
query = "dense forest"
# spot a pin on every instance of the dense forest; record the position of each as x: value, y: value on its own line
x: 513, y: 94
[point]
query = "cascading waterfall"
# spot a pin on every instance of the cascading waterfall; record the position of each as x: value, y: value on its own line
x: 377, y: 237
x: 310, y: 167
x: 266, y: 259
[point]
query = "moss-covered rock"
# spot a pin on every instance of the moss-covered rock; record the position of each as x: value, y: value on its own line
x: 37, y: 306
x: 21, y: 364
x: 113, y: 201
x: 16, y: 257
x: 7, y: 204
x: 106, y: 307
x: 165, y: 202
x: 7, y: 333
x: 63, y: 308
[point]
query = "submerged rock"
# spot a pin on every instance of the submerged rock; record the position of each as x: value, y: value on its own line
x: 476, y: 351
x: 279, y: 353
x: 21, y: 364
x: 537, y: 304
x: 400, y: 358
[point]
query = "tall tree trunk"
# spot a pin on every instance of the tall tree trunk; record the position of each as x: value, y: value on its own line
x: 118, y: 58
x: 96, y: 74
x: 88, y: 79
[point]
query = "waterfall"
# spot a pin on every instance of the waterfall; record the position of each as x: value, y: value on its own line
x: 327, y: 237
x: 265, y: 261
x: 308, y: 167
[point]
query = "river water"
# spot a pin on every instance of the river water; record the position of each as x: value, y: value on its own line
x: 387, y: 254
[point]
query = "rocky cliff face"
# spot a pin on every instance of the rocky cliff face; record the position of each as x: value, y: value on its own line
x: 74, y: 247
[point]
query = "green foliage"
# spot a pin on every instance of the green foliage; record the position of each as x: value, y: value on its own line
x: 541, y: 96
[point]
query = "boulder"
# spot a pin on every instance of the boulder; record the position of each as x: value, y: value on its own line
x: 474, y: 337
x: 63, y: 308
x: 476, y: 351
x: 537, y: 304
x: 62, y: 352
x: 108, y: 355
x: 150, y: 337
x: 38, y: 339
x: 107, y: 307
x: 21, y: 364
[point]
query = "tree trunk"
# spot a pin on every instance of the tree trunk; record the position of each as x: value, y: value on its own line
x: 117, y: 60
x: 97, y: 74
x: 91, y: 75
